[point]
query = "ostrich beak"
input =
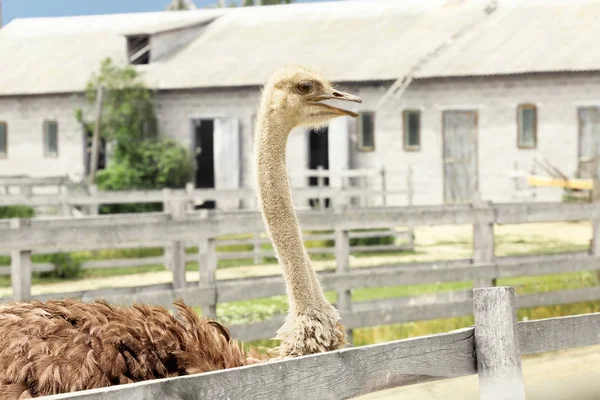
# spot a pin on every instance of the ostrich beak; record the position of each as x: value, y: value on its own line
x: 335, y: 95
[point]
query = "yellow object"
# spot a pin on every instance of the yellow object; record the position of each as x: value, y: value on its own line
x: 582, y: 184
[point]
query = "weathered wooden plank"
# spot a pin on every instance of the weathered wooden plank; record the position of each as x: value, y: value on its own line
x: 101, y: 231
x: 375, y: 313
x: 381, y: 248
x: 457, y: 296
x: 544, y: 265
x: 193, y: 296
x: 123, y: 263
x: 335, y: 375
x: 558, y: 297
x: 516, y: 213
x: 388, y: 313
x: 560, y: 333
x: 84, y: 237
x: 497, y: 344
x: 35, y: 267
x: 483, y: 245
x: 127, y: 295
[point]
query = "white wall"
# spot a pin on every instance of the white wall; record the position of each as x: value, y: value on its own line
x: 25, y: 116
x: 557, y: 98
x: 496, y: 98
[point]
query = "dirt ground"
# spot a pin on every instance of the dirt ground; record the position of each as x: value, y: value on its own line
x: 563, y: 375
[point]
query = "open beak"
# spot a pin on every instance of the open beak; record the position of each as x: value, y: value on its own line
x: 336, y: 95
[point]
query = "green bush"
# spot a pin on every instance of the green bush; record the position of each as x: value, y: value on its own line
x: 66, y: 266
x: 155, y: 164
x: 372, y: 241
x: 16, y: 212
x: 384, y: 239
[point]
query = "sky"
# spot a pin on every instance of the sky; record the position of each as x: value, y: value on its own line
x: 55, y: 8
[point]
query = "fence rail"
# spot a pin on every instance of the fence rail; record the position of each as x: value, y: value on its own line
x: 491, y: 349
x: 339, y: 193
x: 175, y: 231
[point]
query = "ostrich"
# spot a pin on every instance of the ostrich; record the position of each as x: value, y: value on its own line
x: 293, y: 97
x: 60, y: 346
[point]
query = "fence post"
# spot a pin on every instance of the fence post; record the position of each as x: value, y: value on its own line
x: 320, y: 184
x: 256, y: 249
x: 65, y: 208
x: 342, y: 258
x: 20, y: 268
x: 497, y: 346
x: 189, y: 190
x: 409, y: 186
x: 595, y: 242
x: 175, y: 251
x: 208, y: 268
x: 483, y: 242
x: 93, y: 208
x: 383, y: 187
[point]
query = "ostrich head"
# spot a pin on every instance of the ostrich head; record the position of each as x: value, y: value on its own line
x: 298, y: 96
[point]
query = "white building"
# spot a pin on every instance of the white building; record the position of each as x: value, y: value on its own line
x: 491, y: 84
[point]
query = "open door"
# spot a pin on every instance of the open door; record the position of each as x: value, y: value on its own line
x: 339, y: 153
x: 227, y: 156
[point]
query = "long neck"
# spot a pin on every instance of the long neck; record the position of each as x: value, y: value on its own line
x: 278, y: 212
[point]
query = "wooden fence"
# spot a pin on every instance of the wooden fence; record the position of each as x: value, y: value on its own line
x: 180, y: 228
x: 492, y: 349
x: 342, y: 193
x: 400, y: 240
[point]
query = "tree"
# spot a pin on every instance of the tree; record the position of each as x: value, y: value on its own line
x: 181, y: 5
x: 141, y: 159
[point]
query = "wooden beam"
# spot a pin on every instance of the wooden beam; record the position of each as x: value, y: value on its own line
x: 343, y: 374
x: 497, y: 345
x: 560, y: 333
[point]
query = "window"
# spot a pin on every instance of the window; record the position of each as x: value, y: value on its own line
x: 50, y: 139
x: 3, y: 139
x: 138, y: 49
x: 527, y: 126
x: 366, y: 131
x: 411, y: 120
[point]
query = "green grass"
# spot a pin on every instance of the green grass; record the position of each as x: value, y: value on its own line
x: 243, y: 312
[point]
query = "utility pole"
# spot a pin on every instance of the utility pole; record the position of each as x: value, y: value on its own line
x: 96, y: 137
x: 0, y: 14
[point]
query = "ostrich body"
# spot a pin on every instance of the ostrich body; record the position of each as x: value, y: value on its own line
x: 61, y: 346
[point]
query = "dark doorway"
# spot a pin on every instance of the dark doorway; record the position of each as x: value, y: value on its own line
x: 204, y: 158
x: 318, y: 156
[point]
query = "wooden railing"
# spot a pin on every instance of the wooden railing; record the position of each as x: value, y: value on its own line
x: 180, y: 229
x: 88, y: 199
x: 492, y: 349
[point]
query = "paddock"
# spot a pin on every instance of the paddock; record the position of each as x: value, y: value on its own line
x: 178, y: 228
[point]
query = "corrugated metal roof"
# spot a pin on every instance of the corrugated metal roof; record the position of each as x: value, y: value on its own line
x: 353, y: 41
x: 526, y: 36
x: 54, y: 55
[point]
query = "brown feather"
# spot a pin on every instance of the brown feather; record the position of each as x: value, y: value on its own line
x: 61, y: 346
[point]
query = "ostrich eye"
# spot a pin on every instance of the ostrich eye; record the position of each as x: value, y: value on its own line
x: 304, y: 87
